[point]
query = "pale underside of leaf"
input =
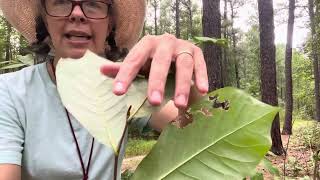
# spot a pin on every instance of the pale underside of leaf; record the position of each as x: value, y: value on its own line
x: 87, y: 95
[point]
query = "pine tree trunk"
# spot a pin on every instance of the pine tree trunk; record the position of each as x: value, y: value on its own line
x: 8, y: 44
x: 178, y: 18
x: 315, y: 58
x: 225, y: 60
x: 268, y: 68
x: 188, y: 5
x: 155, y: 5
x: 287, y: 127
x: 234, y: 44
x: 190, y: 30
x: 211, y: 22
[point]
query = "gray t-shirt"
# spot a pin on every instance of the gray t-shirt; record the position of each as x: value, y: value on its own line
x: 35, y: 133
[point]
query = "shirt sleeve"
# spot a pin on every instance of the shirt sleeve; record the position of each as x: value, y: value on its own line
x: 11, y: 130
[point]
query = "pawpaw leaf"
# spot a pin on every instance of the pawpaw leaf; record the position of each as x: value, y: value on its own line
x: 87, y: 95
x: 228, y: 138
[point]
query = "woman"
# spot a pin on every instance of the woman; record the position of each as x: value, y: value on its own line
x: 38, y: 139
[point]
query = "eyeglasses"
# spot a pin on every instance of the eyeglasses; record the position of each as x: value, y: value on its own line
x: 91, y: 8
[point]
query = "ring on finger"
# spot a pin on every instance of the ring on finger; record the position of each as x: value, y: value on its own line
x: 184, y: 52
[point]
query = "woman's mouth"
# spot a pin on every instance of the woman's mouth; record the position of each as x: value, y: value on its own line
x: 77, y: 37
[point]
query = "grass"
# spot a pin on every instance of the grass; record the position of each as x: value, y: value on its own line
x: 138, y: 147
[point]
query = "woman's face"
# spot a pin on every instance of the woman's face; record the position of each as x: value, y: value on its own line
x: 71, y: 36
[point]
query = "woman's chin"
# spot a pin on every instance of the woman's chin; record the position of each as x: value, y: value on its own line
x: 75, y: 54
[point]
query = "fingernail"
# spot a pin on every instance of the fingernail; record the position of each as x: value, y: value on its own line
x: 119, y: 87
x: 181, y: 100
x: 156, y: 97
x: 204, y: 87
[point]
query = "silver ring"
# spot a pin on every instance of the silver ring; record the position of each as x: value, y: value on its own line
x: 184, y: 52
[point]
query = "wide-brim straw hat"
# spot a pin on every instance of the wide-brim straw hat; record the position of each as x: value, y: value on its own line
x: 128, y: 15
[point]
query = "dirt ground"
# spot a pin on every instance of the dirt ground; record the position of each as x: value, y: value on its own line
x: 298, y: 160
x: 131, y: 163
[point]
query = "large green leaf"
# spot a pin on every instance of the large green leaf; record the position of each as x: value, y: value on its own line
x: 88, y: 96
x: 219, y: 144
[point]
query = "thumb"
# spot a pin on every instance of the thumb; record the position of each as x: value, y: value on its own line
x: 110, y: 70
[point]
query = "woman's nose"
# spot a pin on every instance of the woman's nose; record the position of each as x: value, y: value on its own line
x: 77, y: 15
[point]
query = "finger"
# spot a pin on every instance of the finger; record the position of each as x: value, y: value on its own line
x: 110, y: 70
x: 159, y: 70
x: 200, y: 71
x: 131, y: 65
x: 184, y: 72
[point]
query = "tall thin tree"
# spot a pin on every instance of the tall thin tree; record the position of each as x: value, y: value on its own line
x: 155, y: 4
x: 234, y: 39
x: 287, y: 127
x: 188, y: 5
x: 8, y: 43
x: 268, y: 68
x: 177, y: 6
x: 225, y: 57
x: 211, y: 22
x: 315, y: 58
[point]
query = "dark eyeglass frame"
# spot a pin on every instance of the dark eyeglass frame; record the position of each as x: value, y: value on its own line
x: 79, y: 3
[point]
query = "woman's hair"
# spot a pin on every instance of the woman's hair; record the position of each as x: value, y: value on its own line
x: 41, y: 46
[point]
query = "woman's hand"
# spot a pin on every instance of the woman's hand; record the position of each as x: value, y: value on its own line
x: 162, y: 50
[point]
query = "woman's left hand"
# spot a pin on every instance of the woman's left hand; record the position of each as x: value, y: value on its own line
x: 162, y: 50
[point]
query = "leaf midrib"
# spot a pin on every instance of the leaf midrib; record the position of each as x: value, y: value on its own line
x: 203, y: 149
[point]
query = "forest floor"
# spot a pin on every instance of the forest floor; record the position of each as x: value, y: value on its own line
x: 299, y: 164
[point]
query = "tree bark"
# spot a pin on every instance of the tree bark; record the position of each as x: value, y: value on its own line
x: 315, y: 58
x: 287, y: 127
x: 188, y: 6
x: 268, y: 68
x: 211, y: 22
x: 234, y: 44
x: 155, y: 6
x: 8, y: 56
x: 178, y: 18
x: 225, y: 60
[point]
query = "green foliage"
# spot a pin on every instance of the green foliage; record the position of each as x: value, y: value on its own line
x: 207, y: 40
x: 280, y: 60
x: 303, y: 85
x: 137, y: 147
x: 166, y: 19
x: 126, y: 175
x: 221, y: 143
x: 271, y: 169
x: 294, y: 166
x: 18, y: 63
x: 249, y: 61
x: 257, y: 176
x: 12, y: 41
x: 310, y: 136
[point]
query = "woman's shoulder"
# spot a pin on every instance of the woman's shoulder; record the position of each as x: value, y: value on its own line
x: 24, y: 82
x: 22, y: 75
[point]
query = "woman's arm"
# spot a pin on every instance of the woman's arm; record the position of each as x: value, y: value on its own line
x: 10, y: 172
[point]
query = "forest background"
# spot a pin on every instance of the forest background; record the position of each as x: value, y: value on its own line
x: 270, y: 49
